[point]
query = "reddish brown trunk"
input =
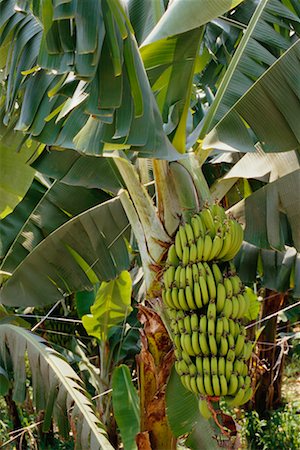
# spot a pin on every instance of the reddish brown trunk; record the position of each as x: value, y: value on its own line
x: 268, y: 374
x: 154, y: 365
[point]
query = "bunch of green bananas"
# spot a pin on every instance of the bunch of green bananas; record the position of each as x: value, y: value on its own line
x: 206, y: 306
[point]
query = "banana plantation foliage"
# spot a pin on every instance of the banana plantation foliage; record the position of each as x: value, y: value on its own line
x: 149, y: 154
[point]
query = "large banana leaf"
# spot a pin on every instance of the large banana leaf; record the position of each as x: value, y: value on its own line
x: 262, y: 41
x: 89, y: 246
x: 57, y: 389
x: 180, y: 18
x: 55, y: 207
x: 263, y: 213
x: 112, y: 104
x: 259, y: 165
x: 126, y: 406
x: 70, y: 167
x: 11, y: 225
x: 279, y: 271
x: 144, y: 15
x: 270, y: 108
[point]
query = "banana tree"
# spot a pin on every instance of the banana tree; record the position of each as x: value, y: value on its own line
x: 117, y: 98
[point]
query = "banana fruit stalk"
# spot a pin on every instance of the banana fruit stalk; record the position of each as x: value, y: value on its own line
x: 206, y: 302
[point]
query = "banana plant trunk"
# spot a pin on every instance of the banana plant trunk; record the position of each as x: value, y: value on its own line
x: 154, y: 365
x: 269, y: 379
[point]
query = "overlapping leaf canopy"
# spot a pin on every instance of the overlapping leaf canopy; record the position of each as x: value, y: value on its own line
x: 78, y: 77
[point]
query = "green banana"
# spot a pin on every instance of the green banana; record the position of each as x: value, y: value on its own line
x: 207, y: 247
x: 238, y: 366
x: 200, y: 384
x: 193, y: 254
x: 208, y: 220
x: 200, y: 248
x: 201, y: 269
x: 212, y: 290
x: 228, y: 287
x: 212, y: 310
x: 181, y: 327
x: 203, y: 344
x: 197, y: 295
x: 183, y: 237
x: 238, y: 329
x: 199, y: 365
x: 206, y: 365
x: 237, y: 399
x: 241, y: 381
x: 193, y: 385
x: 230, y: 340
x: 217, y: 273
x: 217, y: 244
x: 223, y: 348
x: 204, y: 290
x: 177, y: 276
x: 236, y: 284
x: 187, y: 381
x: 204, y: 409
x: 175, y: 299
x: 218, y: 211
x: 194, y: 322
x: 223, y: 385
x: 190, y: 298
x: 247, y: 396
x: 177, y: 341
x: 228, y: 370
x: 233, y: 384
x: 221, y: 297
x: 247, y: 350
x: 245, y: 370
x: 187, y: 324
x: 214, y: 365
x: 172, y: 258
x: 196, y: 227
x: 226, y: 243
x: 219, y: 329
x: 231, y: 327
x: 216, y: 385
x: 227, y: 310
x: 185, y: 256
x: 208, y: 385
x: 211, y: 325
x: 188, y: 345
x: 242, y: 306
x: 178, y: 247
x: 186, y: 357
x: 195, y: 343
x: 235, y: 307
x: 239, y: 345
x: 203, y: 323
x: 189, y: 281
x: 182, y: 300
x: 189, y: 234
x: 192, y: 370
x: 221, y: 365
x: 174, y: 326
x: 225, y: 324
x: 195, y: 273
x: 230, y: 355
x: 169, y: 300
x: 212, y: 344
x: 182, y: 278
